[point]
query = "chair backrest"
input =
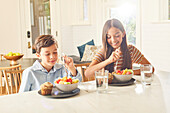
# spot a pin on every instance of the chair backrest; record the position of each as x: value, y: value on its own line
x: 87, y: 78
x: 83, y: 67
x: 1, y: 56
x: 12, y: 76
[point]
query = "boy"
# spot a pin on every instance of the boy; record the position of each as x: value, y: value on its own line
x: 46, y: 69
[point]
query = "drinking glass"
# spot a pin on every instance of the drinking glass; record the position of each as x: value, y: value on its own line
x: 146, y: 74
x: 101, y: 78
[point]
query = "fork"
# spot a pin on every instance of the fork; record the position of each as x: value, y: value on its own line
x: 64, y: 63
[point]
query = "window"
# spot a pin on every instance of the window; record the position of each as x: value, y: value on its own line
x: 85, y: 10
x: 169, y: 9
x: 127, y: 15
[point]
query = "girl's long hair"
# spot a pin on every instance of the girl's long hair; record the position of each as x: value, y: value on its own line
x: 127, y: 63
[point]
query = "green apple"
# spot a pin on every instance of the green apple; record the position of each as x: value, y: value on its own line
x: 17, y: 54
x: 14, y: 54
x: 10, y: 54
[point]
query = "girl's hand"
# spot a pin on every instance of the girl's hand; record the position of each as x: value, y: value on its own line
x: 115, y: 56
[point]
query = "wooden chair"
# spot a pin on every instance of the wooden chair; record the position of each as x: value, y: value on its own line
x: 12, y: 78
x: 1, y: 82
x: 1, y: 56
x: 87, y: 78
x: 83, y: 67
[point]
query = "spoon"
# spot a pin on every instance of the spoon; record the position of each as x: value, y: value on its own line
x: 64, y: 63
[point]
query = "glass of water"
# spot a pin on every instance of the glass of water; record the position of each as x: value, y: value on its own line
x: 101, y: 78
x: 146, y: 74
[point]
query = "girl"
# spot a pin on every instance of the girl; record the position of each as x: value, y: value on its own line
x: 115, y: 53
x: 46, y: 69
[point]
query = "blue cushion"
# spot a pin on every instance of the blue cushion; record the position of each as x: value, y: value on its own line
x: 82, y: 48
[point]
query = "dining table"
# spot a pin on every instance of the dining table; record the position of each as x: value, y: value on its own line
x: 134, y: 98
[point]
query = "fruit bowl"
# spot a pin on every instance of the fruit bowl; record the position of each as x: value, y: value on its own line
x: 13, y: 59
x: 67, y: 87
x: 123, y: 76
x: 66, y: 84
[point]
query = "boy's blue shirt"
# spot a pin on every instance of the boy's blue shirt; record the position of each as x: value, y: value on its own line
x: 36, y: 75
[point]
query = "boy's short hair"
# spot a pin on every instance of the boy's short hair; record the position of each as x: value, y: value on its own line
x: 44, y: 41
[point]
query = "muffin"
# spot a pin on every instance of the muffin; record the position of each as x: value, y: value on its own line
x: 110, y: 78
x: 46, y: 88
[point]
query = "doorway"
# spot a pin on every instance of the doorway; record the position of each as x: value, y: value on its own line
x: 38, y: 17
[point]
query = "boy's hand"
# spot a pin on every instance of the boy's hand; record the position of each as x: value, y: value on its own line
x: 68, y: 62
x: 70, y: 65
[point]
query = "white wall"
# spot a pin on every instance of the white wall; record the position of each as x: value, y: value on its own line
x: 156, y: 44
x: 155, y: 35
x: 81, y: 35
x: 76, y: 35
x: 10, y: 39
